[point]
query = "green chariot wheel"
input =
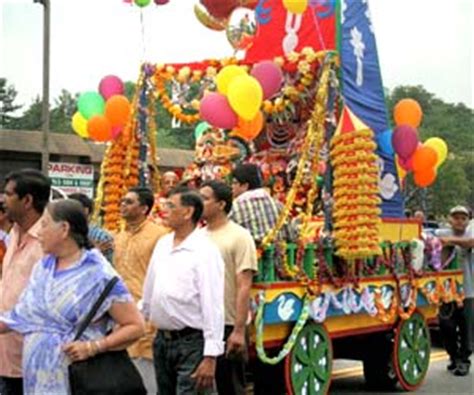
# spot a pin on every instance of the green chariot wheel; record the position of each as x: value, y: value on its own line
x: 309, y: 365
x: 411, y: 357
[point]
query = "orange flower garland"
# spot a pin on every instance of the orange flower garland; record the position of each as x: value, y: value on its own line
x: 356, y: 211
x: 303, y: 64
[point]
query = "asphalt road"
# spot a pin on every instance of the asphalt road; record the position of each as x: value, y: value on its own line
x: 348, y: 379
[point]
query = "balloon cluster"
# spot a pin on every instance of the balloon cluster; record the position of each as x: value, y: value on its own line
x: 423, y: 159
x: 236, y: 17
x: 236, y: 104
x: 102, y: 116
x: 145, y: 3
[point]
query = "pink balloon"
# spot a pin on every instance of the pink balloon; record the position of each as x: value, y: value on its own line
x: 270, y: 77
x: 116, y: 130
x: 110, y: 85
x: 405, y: 141
x: 216, y: 111
x: 161, y: 2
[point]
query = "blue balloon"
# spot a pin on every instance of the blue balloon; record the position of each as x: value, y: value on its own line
x: 384, y: 142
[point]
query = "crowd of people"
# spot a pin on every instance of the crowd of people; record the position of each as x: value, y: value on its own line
x: 185, y: 268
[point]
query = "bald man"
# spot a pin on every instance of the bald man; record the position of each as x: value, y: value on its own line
x: 168, y: 181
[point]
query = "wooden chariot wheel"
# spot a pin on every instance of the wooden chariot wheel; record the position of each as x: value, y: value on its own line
x: 412, y: 347
x: 308, y: 367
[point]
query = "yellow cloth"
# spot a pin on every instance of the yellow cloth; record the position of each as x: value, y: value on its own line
x: 238, y: 251
x: 132, y: 253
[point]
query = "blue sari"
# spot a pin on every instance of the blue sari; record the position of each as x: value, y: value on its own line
x: 49, y: 312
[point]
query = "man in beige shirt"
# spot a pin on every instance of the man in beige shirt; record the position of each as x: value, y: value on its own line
x: 238, y: 251
x: 26, y: 195
x: 133, y: 249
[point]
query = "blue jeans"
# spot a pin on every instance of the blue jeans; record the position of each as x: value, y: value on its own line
x: 175, y: 361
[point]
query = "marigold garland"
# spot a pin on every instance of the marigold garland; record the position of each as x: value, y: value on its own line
x: 356, y: 211
x: 119, y: 171
x: 298, y: 89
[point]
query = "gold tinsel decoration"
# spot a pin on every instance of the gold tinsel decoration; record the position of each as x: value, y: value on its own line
x: 356, y: 212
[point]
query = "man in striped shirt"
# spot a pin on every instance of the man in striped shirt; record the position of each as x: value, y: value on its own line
x: 253, y: 207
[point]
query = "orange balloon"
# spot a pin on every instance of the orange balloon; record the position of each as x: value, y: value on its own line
x: 408, y: 112
x: 424, y: 158
x: 424, y: 178
x: 99, y: 128
x: 248, y: 130
x: 117, y: 110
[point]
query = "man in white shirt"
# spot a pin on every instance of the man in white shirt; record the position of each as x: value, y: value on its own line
x: 183, y: 296
x: 240, y: 258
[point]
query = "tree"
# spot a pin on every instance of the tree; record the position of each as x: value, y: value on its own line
x: 31, y: 118
x: 64, y: 109
x: 8, y: 107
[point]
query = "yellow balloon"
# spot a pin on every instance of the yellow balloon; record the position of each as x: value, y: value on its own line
x: 296, y: 6
x: 79, y: 125
x: 400, y: 170
x: 441, y: 148
x: 245, y: 96
x: 226, y: 76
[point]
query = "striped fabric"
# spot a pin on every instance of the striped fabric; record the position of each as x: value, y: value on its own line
x: 258, y: 212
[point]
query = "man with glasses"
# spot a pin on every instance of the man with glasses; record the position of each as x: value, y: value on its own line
x: 133, y: 248
x: 184, y: 297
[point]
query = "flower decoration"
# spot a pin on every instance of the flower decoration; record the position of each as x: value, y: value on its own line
x: 356, y: 208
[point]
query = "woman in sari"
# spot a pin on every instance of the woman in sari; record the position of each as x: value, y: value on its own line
x: 62, y: 289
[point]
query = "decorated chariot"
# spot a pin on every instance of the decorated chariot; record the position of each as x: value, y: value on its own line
x: 306, y: 104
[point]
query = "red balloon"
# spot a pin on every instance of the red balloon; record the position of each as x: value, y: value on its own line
x: 424, y: 158
x: 424, y: 178
x: 116, y: 130
x: 220, y: 8
x: 405, y: 164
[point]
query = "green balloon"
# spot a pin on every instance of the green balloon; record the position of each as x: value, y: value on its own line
x: 90, y: 104
x: 142, y: 3
x: 320, y: 181
x: 200, y: 129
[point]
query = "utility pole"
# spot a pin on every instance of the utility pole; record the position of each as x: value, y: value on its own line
x: 45, y: 102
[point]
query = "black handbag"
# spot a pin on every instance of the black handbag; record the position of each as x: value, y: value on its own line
x: 107, y: 373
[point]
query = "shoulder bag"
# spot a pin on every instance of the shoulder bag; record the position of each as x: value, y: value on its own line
x: 107, y: 373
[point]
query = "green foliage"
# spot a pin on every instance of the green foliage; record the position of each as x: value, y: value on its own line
x: 31, y: 117
x: 455, y: 124
x: 8, y: 107
x: 61, y: 114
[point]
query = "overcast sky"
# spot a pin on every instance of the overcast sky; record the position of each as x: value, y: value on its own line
x: 426, y: 42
